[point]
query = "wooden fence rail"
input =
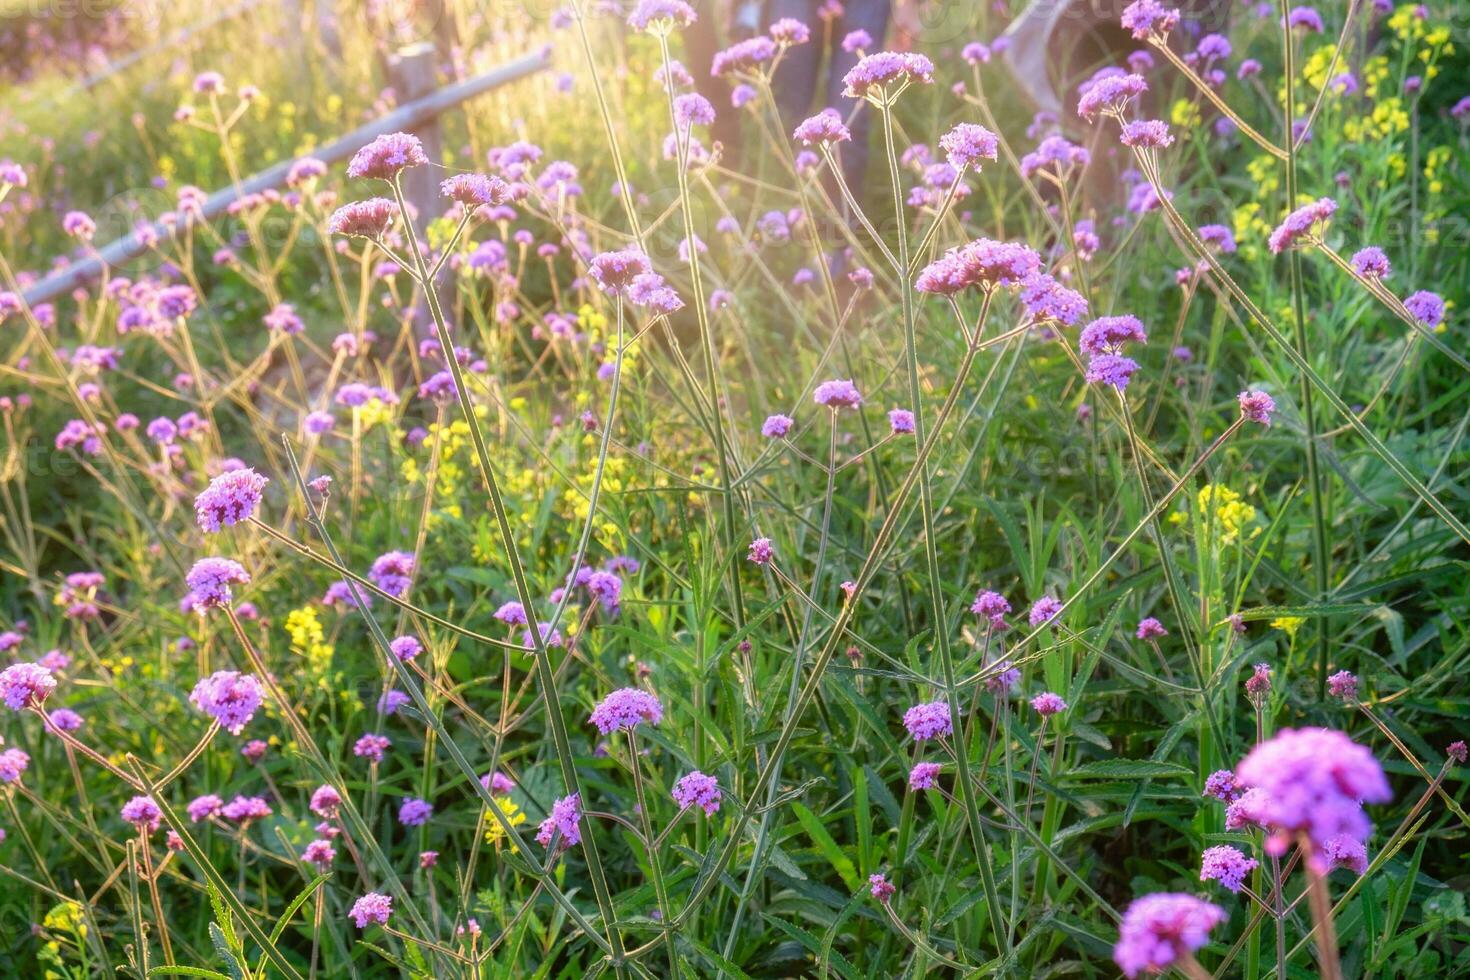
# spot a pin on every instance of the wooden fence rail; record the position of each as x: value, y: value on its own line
x: 414, y: 115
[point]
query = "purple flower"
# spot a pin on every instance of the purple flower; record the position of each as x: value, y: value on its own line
x: 1146, y: 133
x: 565, y: 819
x: 1345, y: 851
x: 512, y: 613
x: 204, y: 807
x: 825, y: 127
x: 1247, y: 810
x: 1222, y: 786
x: 228, y: 696
x: 697, y: 789
x: 25, y: 685
x: 1305, y: 19
x: 1427, y: 308
x: 1299, y: 227
x: 1111, y: 369
x: 924, y: 775
x: 372, y: 907
x: 1150, y: 629
x: 1108, y: 335
x: 776, y: 426
x: 371, y: 747
x: 230, y: 497
x: 325, y: 802
x: 743, y: 56
x: 661, y: 16
x: 497, y: 784
x: 1110, y: 93
x: 626, y: 709
x: 1219, y: 236
x: 1343, y: 685
x: 1149, y: 18
x: 363, y: 219
x: 1158, y: 928
x: 982, y: 263
x: 245, y: 808
x: 615, y: 271
x: 475, y: 190
x: 1315, y: 781
x: 142, y: 813
x: 405, y: 647
x: 788, y: 31
x: 1371, y: 263
x: 1054, y: 152
x: 693, y: 109
x: 967, y: 144
x: 13, y: 763
x: 928, y: 720
x: 901, y: 421
x: 880, y: 888
x: 879, y: 70
x: 1227, y: 865
x: 853, y: 42
x: 209, y: 582
x: 415, y: 812
x: 439, y: 387
x: 393, y: 572
x: 1044, y: 610
x: 391, y: 700
x: 320, y: 853
x: 1047, y: 704
x: 1049, y: 301
x: 386, y: 156
x: 1257, y: 406
x: 65, y: 720
x: 992, y: 605
x: 837, y: 394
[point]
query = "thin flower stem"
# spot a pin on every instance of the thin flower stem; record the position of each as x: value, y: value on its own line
x: 1219, y: 103
x: 1326, y: 933
x: 655, y: 863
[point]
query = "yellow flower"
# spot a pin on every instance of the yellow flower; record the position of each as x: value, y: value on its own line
x: 1184, y: 114
x: 1288, y: 624
x: 1225, y: 508
x: 495, y: 832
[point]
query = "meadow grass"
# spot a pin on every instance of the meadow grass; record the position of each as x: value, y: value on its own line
x: 723, y: 570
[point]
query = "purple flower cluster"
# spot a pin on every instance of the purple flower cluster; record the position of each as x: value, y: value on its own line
x: 386, y: 156
x: 626, y: 709
x: 967, y: 144
x: 1110, y: 93
x: 1157, y: 929
x: 982, y: 263
x: 565, y: 819
x: 1257, y: 406
x: 1055, y: 153
x: 928, y: 720
x: 1149, y: 18
x: 1227, y: 865
x: 697, y: 789
x: 1299, y: 227
x: 229, y: 499
x: 372, y: 907
x: 837, y: 394
x: 142, y: 813
x: 25, y: 685
x: 874, y: 73
x: 363, y: 219
x: 392, y: 572
x: 210, y: 580
x: 924, y: 775
x: 1048, y: 704
x: 415, y: 812
x: 824, y: 128
x: 228, y: 696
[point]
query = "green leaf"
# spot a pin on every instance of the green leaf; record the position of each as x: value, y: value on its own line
x: 1129, y: 769
x: 838, y: 858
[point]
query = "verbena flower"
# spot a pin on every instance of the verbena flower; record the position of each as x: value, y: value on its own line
x: 244, y: 808
x: 626, y: 709
x: 405, y: 647
x: 320, y: 853
x: 1302, y: 225
x: 1157, y: 929
x: 1149, y: 18
x: 415, y: 812
x: 1227, y: 865
x: 204, y: 807
x: 1371, y: 263
x: 1248, y: 809
x: 760, y: 552
x: 25, y: 685
x: 497, y: 783
x: 1150, y: 628
x: 1345, y: 851
x: 1258, y: 684
x: 475, y: 190
x: 928, y: 720
x: 230, y: 497
x: 876, y: 72
x: 697, y: 789
x: 661, y: 16
x: 788, y: 31
x: 1222, y: 786
x: 615, y: 271
x: 1044, y: 610
x: 1146, y: 133
x: 880, y: 888
x: 325, y: 802
x: 393, y: 572
x: 210, y: 582
x: 826, y: 127
x: 512, y: 613
x: 1316, y: 781
x: 363, y: 219
x: 1304, y: 19
x: 385, y: 157
x: 1257, y: 406
x: 1109, y: 335
x: 392, y: 700
x: 837, y: 394
x: 1048, y: 704
x: 371, y: 747
x: 1111, y: 369
x: 565, y: 819
x: 13, y: 763
x: 142, y: 813
x: 967, y: 144
x: 1110, y: 93
x: 1048, y: 301
x: 924, y: 775
x: 1343, y: 685
x: 992, y: 605
x: 901, y: 421
x: 743, y: 56
x: 65, y: 720
x: 1055, y: 153
x: 982, y: 263
x: 230, y: 697
x: 1426, y: 307
x: 372, y: 907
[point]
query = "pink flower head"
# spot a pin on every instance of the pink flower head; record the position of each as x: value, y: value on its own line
x: 1109, y: 335
x: 405, y: 647
x: 1345, y: 851
x: 228, y: 696
x: 924, y: 775
x: 1227, y: 865
x: 1221, y: 785
x: 1158, y: 928
x: 1044, y: 610
x: 475, y: 190
x: 1343, y: 685
x: 626, y: 709
x: 880, y: 888
x: 393, y: 572
x: 372, y: 907
x: 1150, y: 629
x: 983, y: 263
x: 928, y: 720
x: 229, y: 499
x: 1048, y: 704
x: 25, y: 685
x: 1048, y: 301
x: 320, y: 853
x: 386, y: 156
x: 874, y: 73
x: 565, y: 819
x: 325, y: 802
x: 661, y: 16
x: 497, y: 784
x: 363, y: 219
x: 901, y: 421
x: 204, y: 807
x: 697, y: 789
x: 825, y: 128
x: 245, y: 808
x: 1425, y: 307
x: 967, y: 144
x: 776, y: 426
x: 1302, y: 225
x: 992, y: 605
x: 13, y: 763
x: 1316, y: 781
x: 1110, y: 93
x: 1257, y: 406
x: 615, y: 271
x: 761, y: 551
x: 1149, y: 18
x: 743, y: 57
x: 415, y: 812
x: 788, y: 31
x: 1371, y: 263
x: 142, y: 813
x: 371, y: 747
x: 1146, y: 134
